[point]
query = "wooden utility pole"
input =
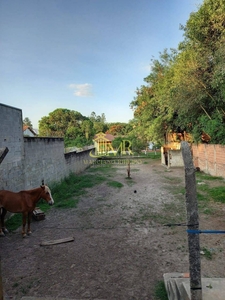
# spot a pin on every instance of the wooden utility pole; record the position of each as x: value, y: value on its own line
x: 193, y: 223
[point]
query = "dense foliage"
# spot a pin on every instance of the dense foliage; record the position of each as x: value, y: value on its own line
x: 185, y: 90
x: 76, y: 129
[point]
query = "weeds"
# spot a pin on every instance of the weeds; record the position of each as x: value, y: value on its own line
x: 160, y: 291
x: 207, y: 253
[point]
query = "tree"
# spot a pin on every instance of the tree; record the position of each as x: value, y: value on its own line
x: 185, y: 89
x: 58, y: 122
x: 117, y: 128
x: 87, y: 128
x: 27, y: 122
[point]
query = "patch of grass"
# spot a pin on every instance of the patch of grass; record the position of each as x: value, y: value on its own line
x: 115, y: 184
x: 207, y: 253
x: 154, y: 155
x: 67, y: 203
x: 66, y: 192
x: 14, y: 222
x: 160, y: 291
x: 101, y: 168
x: 202, y: 187
x: 203, y: 176
x: 218, y: 194
x: 207, y: 194
x: 175, y: 180
x: 129, y: 181
x: 208, y: 211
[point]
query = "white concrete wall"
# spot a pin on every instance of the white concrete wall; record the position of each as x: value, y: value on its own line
x: 175, y: 158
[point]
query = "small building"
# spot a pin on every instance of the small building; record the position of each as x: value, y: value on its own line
x: 28, y: 131
x: 103, y: 143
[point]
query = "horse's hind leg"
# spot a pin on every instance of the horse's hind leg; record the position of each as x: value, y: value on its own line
x: 3, y: 230
x: 28, y: 222
x: 24, y: 224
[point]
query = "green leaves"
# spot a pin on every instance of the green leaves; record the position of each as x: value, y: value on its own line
x: 188, y: 81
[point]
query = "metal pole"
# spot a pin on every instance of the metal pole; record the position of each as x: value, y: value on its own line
x: 193, y: 223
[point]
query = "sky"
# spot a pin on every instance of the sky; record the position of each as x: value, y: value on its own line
x: 83, y: 55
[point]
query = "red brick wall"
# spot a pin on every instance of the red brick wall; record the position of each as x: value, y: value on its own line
x: 210, y: 158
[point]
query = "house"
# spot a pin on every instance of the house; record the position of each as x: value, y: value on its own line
x: 28, y: 131
x: 103, y: 143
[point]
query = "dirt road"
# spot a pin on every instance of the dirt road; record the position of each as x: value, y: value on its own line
x: 121, y: 248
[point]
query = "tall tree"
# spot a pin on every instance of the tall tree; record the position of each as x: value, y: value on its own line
x: 59, y: 121
x: 186, y: 86
x: 27, y: 122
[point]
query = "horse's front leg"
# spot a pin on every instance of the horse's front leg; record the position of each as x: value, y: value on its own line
x: 28, y: 222
x: 24, y: 224
x: 3, y: 229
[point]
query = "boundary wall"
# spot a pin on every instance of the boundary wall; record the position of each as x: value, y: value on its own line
x: 33, y: 159
x: 209, y: 158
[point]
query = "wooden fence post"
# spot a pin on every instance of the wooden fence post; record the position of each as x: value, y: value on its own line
x: 193, y: 223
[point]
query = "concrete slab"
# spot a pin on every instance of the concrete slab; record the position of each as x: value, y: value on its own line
x: 178, y: 287
x: 212, y: 288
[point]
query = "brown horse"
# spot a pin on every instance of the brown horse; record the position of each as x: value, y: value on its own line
x: 22, y: 202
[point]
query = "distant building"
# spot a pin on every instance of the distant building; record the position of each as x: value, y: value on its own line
x: 103, y: 143
x: 28, y: 131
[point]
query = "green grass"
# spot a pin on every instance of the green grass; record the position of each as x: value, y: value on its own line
x: 207, y: 194
x: 160, y: 291
x: 207, y: 253
x: 115, y: 184
x: 152, y: 155
x: 106, y: 169
x: 203, y: 176
x: 14, y: 222
x: 66, y: 193
x: 218, y: 194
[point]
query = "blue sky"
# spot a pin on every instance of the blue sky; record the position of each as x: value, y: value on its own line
x: 83, y: 55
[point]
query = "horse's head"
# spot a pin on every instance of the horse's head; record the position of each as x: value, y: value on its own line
x: 46, y: 194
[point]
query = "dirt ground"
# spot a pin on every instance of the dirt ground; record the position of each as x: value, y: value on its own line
x: 121, y: 248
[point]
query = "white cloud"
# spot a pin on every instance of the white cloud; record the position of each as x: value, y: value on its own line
x: 81, y: 90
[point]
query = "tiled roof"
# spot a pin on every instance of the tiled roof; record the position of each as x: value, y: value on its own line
x: 25, y: 127
x: 106, y: 136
